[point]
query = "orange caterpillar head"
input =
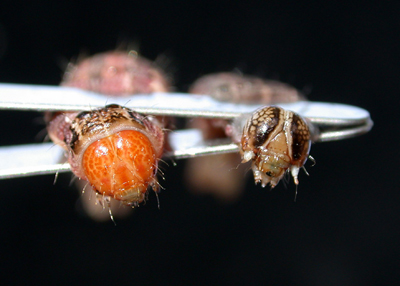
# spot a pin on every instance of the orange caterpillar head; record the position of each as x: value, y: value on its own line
x: 121, y: 165
x: 116, y: 150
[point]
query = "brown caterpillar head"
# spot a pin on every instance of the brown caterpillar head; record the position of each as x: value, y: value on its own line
x: 276, y: 140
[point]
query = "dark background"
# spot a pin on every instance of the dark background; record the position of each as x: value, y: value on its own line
x: 344, y: 227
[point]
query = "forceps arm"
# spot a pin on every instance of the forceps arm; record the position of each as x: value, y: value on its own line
x: 337, y: 121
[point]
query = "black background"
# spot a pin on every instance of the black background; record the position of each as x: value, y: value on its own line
x: 344, y: 227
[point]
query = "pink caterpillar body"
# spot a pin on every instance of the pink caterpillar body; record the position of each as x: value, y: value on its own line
x: 237, y: 88
x: 117, y: 74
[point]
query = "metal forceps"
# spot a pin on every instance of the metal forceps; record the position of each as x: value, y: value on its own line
x: 335, y: 122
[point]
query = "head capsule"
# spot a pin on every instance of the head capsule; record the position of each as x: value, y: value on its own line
x: 276, y: 140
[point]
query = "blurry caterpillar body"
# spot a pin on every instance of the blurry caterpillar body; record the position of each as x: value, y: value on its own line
x: 116, y: 73
x: 238, y: 88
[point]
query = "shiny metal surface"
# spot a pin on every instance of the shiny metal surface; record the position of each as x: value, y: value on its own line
x: 336, y: 121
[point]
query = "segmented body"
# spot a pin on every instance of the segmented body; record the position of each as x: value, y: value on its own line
x: 275, y: 140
